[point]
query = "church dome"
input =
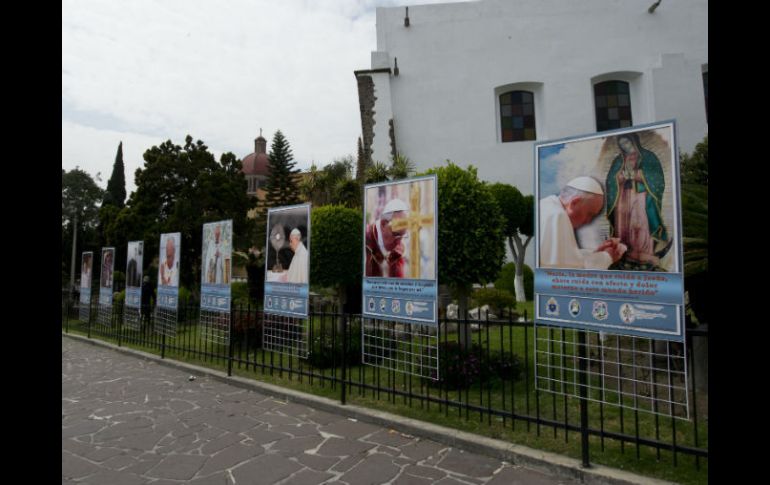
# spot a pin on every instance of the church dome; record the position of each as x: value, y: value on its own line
x: 256, y: 163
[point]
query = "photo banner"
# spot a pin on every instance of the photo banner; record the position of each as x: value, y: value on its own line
x: 105, y: 281
x: 608, y: 248
x: 168, y: 270
x: 400, y: 251
x: 216, y: 262
x: 86, y: 266
x: 287, y: 265
x: 134, y: 274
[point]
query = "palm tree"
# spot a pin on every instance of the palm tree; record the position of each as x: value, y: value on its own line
x: 401, y: 167
x: 377, y: 172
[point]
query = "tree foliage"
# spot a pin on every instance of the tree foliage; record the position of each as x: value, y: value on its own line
x: 281, y: 183
x: 518, y: 213
x: 695, y: 167
x: 178, y: 190
x: 333, y: 184
x: 377, y: 172
x: 694, y: 178
x: 506, y: 281
x: 337, y: 245
x: 116, y: 186
x: 401, y: 167
x: 80, y: 198
x: 470, y: 232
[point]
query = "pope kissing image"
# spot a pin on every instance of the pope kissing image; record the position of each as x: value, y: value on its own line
x: 608, y: 203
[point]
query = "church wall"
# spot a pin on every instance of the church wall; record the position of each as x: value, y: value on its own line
x: 453, y: 57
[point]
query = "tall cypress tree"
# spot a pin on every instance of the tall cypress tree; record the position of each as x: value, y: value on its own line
x: 361, y: 164
x: 281, y: 183
x: 116, y: 186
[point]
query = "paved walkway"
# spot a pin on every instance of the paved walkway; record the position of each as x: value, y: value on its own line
x: 129, y: 421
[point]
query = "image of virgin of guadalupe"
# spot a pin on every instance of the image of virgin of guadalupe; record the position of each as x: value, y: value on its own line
x: 635, y: 185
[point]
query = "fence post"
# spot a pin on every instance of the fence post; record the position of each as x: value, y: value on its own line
x: 88, y: 320
x: 119, y: 316
x: 583, y: 366
x: 163, y: 346
x: 230, y: 342
x: 67, y: 309
x: 344, y: 355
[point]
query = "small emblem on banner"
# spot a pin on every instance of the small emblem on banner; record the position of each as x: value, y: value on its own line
x: 552, y: 307
x: 396, y: 306
x: 371, y: 304
x: 600, y: 310
x: 574, y: 307
x: 627, y: 313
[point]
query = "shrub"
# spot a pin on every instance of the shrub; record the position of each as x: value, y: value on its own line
x: 326, y: 351
x: 240, y: 294
x: 497, y: 299
x: 462, y: 368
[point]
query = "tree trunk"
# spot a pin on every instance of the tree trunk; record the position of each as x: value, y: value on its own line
x: 341, y: 298
x: 463, y: 328
x: 72, y: 264
x: 518, y: 255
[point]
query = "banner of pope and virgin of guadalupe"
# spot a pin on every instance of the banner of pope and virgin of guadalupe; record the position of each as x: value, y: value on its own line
x: 400, y: 251
x: 608, y: 247
x: 287, y: 263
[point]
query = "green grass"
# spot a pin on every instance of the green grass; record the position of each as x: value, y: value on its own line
x: 504, y: 395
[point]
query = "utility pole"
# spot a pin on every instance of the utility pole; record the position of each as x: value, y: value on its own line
x: 72, y: 265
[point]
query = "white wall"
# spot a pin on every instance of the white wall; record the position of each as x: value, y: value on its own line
x: 453, y: 57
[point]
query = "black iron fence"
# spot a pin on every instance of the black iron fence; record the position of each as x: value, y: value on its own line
x: 486, y: 386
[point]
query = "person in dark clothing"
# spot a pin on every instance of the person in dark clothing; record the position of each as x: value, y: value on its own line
x: 147, y: 300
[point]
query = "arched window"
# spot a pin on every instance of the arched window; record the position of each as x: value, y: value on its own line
x: 613, y: 105
x: 517, y: 116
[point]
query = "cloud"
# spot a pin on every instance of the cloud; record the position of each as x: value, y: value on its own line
x: 146, y: 71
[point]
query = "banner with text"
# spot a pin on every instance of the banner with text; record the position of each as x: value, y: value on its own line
x: 287, y: 265
x: 134, y: 274
x: 608, y: 248
x: 168, y: 270
x: 400, y: 251
x: 105, y: 281
x: 86, y: 265
x: 216, y: 264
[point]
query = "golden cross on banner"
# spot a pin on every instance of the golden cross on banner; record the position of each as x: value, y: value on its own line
x: 413, y: 223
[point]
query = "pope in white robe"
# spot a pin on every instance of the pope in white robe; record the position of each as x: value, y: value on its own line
x: 561, y: 215
x: 298, y: 269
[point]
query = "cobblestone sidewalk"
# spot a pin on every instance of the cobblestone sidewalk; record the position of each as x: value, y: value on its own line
x: 129, y: 421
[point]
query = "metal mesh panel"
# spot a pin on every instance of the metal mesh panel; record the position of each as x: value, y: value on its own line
x: 132, y: 318
x: 635, y: 373
x: 286, y: 335
x: 84, y: 312
x: 215, y: 326
x: 104, y: 316
x: 410, y: 348
x: 166, y: 321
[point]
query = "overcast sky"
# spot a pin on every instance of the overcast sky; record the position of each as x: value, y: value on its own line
x: 146, y: 71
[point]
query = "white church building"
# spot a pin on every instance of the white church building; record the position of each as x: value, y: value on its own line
x: 480, y: 82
